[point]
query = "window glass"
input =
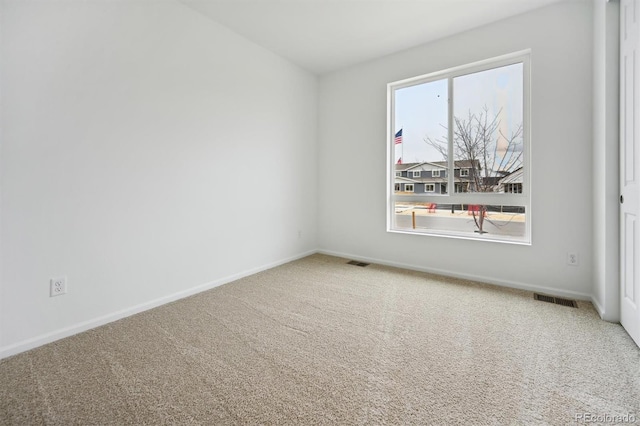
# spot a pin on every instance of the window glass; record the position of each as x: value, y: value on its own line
x: 420, y: 108
x: 470, y: 120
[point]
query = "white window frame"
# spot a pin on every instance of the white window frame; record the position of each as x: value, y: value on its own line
x: 435, y: 173
x: 432, y: 185
x: 465, y: 198
x: 411, y: 185
x: 398, y: 174
x: 416, y: 173
x: 464, y: 172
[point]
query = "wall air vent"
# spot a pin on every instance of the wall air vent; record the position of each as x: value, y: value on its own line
x: 356, y: 263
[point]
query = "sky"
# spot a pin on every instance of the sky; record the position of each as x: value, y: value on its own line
x: 421, y: 110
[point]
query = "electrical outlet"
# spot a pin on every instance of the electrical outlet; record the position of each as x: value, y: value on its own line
x: 572, y: 259
x: 58, y: 286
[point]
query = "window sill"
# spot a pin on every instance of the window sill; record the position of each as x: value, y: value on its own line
x: 464, y: 236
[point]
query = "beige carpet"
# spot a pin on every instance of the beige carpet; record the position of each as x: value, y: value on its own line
x: 317, y: 341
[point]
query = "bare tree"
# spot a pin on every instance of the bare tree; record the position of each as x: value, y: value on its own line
x: 480, y: 144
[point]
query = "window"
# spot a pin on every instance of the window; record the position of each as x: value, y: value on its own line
x: 399, y: 174
x: 416, y: 174
x: 474, y: 120
x: 515, y: 188
x: 461, y: 187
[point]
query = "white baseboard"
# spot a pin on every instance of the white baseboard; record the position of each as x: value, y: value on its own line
x: 28, y: 344
x: 105, y: 319
x: 489, y: 280
x: 598, y: 307
x: 607, y: 315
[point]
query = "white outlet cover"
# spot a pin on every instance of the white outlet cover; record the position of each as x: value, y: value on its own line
x: 57, y: 286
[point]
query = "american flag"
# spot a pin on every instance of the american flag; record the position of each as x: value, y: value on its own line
x: 399, y: 160
x: 398, y: 138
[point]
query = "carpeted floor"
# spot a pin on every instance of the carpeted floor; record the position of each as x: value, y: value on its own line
x: 317, y: 341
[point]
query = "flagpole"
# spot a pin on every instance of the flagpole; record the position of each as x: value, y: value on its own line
x: 398, y: 139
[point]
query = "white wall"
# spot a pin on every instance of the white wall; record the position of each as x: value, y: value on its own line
x: 352, y: 156
x: 606, y: 59
x: 146, y: 151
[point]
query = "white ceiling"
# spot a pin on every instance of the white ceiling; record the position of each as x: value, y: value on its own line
x: 326, y: 35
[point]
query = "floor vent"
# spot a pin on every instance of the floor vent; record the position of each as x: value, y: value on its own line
x: 556, y: 300
x: 356, y: 263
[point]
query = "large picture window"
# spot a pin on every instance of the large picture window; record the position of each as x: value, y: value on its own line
x: 468, y: 128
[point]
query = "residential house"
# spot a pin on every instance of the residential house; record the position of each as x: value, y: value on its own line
x: 432, y: 177
x: 512, y: 182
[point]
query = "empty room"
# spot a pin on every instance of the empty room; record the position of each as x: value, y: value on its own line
x: 319, y: 212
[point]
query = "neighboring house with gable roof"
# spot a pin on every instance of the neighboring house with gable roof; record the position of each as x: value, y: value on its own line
x: 512, y: 183
x: 431, y: 177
